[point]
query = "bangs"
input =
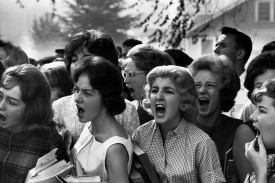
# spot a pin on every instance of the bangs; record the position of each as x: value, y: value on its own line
x: 8, y: 82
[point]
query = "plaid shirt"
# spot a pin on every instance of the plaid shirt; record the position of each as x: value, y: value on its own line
x: 251, y: 178
x: 19, y: 152
x: 188, y: 154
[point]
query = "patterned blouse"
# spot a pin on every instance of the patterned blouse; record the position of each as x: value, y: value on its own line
x: 20, y: 151
x: 65, y: 115
x: 187, y: 155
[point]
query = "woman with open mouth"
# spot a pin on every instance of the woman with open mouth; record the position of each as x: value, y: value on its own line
x: 217, y: 83
x: 103, y: 149
x: 177, y: 148
x: 261, y: 151
x: 26, y: 130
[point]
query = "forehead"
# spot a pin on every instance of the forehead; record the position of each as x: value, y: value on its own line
x: 266, y: 101
x: 84, y: 81
x: 269, y: 74
x: 13, y: 92
x: 163, y: 82
x: 130, y: 65
x: 207, y: 76
x: 227, y: 38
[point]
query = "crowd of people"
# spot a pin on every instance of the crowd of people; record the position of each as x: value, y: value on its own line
x: 95, y: 100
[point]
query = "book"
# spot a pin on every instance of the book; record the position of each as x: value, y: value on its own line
x: 79, y: 179
x: 142, y: 164
x: 47, y: 168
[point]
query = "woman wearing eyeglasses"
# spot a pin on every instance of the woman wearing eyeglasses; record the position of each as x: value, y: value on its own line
x: 217, y: 84
x: 141, y: 59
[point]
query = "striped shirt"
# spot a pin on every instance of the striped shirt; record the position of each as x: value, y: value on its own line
x: 188, y: 154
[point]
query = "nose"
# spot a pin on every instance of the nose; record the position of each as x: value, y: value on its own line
x: 216, y: 50
x: 254, y: 116
x: 159, y: 95
x: 2, y: 105
x: 202, y: 89
x: 78, y: 97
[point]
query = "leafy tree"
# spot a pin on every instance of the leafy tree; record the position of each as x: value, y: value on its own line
x: 97, y: 14
x: 47, y: 35
x: 169, y: 20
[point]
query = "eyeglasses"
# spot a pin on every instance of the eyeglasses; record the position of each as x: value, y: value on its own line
x: 130, y: 74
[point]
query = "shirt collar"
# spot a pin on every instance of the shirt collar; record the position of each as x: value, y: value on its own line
x: 179, y: 130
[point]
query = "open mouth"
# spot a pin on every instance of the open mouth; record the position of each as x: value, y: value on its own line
x: 2, y: 118
x: 160, y: 110
x: 203, y: 102
x: 80, y: 111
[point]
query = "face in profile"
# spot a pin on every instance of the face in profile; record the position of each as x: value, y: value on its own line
x: 208, y: 85
x: 135, y: 80
x: 264, y: 120
x: 226, y: 45
x: 165, y: 101
x: 88, y: 100
x: 12, y: 109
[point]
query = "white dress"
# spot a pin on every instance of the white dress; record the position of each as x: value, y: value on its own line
x: 88, y: 155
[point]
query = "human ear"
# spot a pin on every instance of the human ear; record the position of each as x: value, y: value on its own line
x: 240, y: 54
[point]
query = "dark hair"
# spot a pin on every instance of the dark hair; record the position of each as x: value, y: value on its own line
x: 180, y: 58
x: 131, y: 42
x: 2, y: 69
x: 267, y: 89
x: 242, y: 40
x: 45, y: 60
x: 15, y: 55
x: 59, y: 77
x: 97, y: 43
x: 269, y: 47
x: 146, y: 58
x: 104, y: 77
x: 35, y: 93
x: 259, y: 65
x: 230, y: 80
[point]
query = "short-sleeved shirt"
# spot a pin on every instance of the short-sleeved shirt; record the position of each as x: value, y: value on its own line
x: 188, y: 154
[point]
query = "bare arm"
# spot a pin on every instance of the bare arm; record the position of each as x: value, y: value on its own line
x: 116, y: 162
x: 243, y: 135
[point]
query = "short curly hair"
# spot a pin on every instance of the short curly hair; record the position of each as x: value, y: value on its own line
x: 259, y: 65
x: 224, y: 68
x: 105, y: 77
x: 184, y: 83
x: 146, y: 57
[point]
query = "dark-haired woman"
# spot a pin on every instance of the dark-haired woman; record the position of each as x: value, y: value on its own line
x: 103, y: 149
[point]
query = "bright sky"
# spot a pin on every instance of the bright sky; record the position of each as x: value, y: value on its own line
x: 16, y: 22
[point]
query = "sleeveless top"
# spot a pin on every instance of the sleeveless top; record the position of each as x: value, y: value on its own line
x: 88, y: 155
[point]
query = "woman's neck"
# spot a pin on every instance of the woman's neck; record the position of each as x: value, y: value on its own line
x: 209, y: 121
x: 169, y: 126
